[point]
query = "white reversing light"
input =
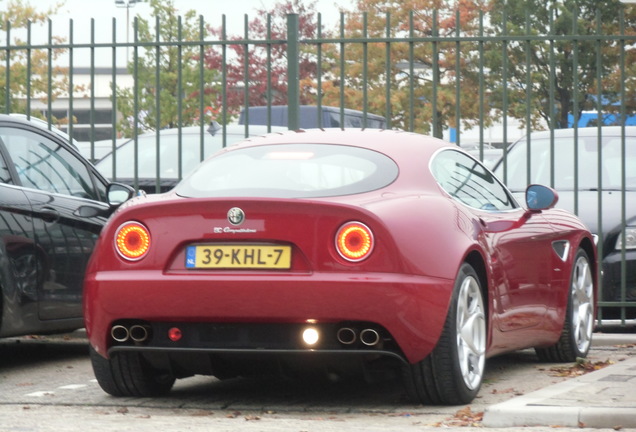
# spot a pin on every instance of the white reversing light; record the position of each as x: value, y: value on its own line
x: 311, y: 336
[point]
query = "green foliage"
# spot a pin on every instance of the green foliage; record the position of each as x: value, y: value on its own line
x: 28, y: 75
x: 561, y: 77
x: 423, y: 99
x: 172, y: 86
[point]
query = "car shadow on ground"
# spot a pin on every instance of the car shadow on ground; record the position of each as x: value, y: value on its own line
x: 318, y: 392
x: 33, y: 351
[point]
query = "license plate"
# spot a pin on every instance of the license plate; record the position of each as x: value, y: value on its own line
x: 234, y: 256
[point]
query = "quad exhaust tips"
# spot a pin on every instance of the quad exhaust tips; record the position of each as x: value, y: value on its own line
x: 136, y: 333
x: 349, y: 336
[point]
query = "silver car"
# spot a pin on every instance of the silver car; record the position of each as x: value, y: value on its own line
x: 592, y: 188
x: 152, y: 174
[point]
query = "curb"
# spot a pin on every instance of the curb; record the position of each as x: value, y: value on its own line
x: 601, y: 399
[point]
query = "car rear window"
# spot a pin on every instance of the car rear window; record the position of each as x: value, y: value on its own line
x: 290, y: 171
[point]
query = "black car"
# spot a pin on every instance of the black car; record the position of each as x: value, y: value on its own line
x: 53, y: 204
x: 595, y: 182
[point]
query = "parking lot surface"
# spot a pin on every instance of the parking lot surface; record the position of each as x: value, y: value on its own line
x: 46, y: 384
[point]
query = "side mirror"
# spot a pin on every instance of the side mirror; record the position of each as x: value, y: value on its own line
x: 118, y: 193
x: 539, y: 197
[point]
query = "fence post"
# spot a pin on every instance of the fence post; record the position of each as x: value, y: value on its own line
x: 293, y: 76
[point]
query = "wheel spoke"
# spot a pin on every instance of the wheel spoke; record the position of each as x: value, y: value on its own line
x: 471, y: 332
x: 582, y: 304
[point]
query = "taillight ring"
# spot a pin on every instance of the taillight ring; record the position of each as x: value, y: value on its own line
x: 132, y: 241
x: 354, y: 241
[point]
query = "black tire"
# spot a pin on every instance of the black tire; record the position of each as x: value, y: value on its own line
x: 452, y: 374
x: 127, y: 374
x: 576, y: 335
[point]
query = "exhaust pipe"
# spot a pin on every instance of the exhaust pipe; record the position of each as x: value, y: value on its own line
x: 369, y: 337
x: 119, y: 333
x: 139, y: 333
x: 346, y: 336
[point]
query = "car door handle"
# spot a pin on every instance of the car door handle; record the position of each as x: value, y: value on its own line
x: 48, y: 214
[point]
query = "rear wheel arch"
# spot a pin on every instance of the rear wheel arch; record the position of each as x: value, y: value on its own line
x: 453, y: 372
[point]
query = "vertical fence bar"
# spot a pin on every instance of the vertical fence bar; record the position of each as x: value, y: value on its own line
x: 599, y: 108
x: 319, y: 74
x: 411, y: 73
x: 92, y: 112
x: 365, y: 69
x: 136, y: 88
x: 180, y: 99
x: 113, y: 116
x: 623, y: 121
x: 203, y: 120
x: 157, y: 103
x: 246, y: 75
x: 504, y: 90
x: 551, y: 93
x: 224, y: 115
x: 28, y: 74
x: 575, y: 105
x: 481, y: 85
x: 49, y: 78
x: 342, y: 69
x: 528, y: 45
x: 437, y: 132
x: 71, y: 84
x: 458, y: 92
x: 293, y: 91
x: 7, y: 72
x: 269, y: 73
x: 388, y: 73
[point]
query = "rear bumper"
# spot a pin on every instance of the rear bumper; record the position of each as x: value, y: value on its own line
x: 408, y: 310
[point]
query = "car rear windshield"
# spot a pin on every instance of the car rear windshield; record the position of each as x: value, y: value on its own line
x: 290, y: 171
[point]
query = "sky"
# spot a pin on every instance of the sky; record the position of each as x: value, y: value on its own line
x: 99, y: 15
x: 103, y: 11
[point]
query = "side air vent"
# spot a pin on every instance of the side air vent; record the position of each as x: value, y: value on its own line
x: 562, y: 249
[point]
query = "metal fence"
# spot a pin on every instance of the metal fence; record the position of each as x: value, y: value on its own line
x: 492, y: 79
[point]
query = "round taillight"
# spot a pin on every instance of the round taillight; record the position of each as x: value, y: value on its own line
x: 354, y: 241
x: 132, y: 241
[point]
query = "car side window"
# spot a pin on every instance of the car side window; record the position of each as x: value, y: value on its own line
x: 46, y: 165
x: 469, y: 182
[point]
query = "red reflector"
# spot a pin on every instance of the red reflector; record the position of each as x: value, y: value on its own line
x: 174, y: 334
x: 354, y: 241
x: 132, y: 240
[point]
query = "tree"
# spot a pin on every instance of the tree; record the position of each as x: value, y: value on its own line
x: 256, y: 71
x: 184, y: 88
x: 28, y: 68
x: 551, y: 76
x: 433, y: 77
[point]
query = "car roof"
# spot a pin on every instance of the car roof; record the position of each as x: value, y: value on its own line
x: 390, y: 142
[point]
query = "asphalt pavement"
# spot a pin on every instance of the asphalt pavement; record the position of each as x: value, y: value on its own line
x: 60, y: 394
x: 605, y: 398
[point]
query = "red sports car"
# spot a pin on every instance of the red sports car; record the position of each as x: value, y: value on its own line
x: 337, y: 250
